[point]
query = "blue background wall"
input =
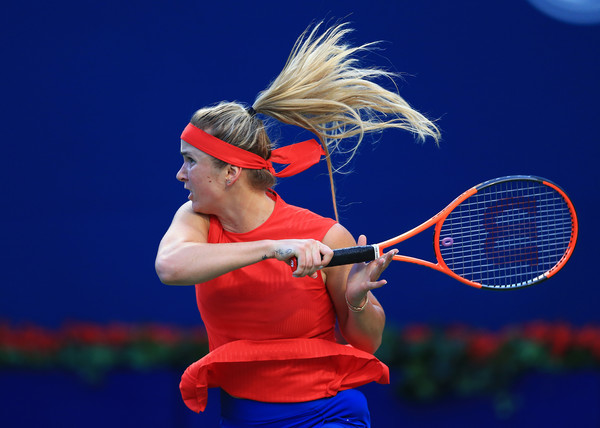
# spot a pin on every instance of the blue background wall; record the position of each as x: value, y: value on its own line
x: 95, y: 95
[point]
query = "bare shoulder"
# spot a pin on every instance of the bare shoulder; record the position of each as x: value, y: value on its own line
x: 187, y: 211
x: 189, y: 225
x: 338, y: 237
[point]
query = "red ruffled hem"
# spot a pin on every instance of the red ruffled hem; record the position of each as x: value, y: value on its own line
x: 280, y: 371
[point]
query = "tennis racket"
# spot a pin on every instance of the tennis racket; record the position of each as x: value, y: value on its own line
x: 505, y: 233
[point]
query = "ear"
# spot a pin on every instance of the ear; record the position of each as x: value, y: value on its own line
x: 232, y: 174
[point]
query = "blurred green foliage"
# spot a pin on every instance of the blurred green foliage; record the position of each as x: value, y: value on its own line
x: 427, y: 362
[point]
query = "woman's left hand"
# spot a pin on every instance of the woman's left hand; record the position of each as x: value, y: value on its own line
x: 364, y: 277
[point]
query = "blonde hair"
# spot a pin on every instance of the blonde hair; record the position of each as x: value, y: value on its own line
x: 322, y: 89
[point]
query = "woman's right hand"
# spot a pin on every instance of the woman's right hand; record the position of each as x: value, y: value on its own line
x: 311, y: 255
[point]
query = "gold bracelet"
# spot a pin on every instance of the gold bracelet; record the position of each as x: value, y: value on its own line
x: 356, y: 308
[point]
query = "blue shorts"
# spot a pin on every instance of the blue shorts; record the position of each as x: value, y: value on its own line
x: 347, y: 409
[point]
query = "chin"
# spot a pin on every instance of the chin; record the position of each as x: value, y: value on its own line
x: 198, y: 208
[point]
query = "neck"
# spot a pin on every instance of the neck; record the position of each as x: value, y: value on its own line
x: 246, y: 211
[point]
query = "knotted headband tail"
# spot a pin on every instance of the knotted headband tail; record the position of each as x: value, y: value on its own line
x: 298, y: 157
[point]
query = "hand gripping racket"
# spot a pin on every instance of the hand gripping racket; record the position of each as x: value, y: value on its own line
x: 505, y: 233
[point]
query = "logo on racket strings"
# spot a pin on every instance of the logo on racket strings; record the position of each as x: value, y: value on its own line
x: 511, y: 231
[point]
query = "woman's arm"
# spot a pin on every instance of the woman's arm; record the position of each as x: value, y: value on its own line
x: 184, y: 257
x: 353, y: 284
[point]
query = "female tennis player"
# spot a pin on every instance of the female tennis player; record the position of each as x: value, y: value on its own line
x: 271, y: 331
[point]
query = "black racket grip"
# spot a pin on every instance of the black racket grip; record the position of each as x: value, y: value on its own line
x: 350, y: 255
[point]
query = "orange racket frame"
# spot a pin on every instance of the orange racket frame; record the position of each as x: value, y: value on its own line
x: 370, y: 252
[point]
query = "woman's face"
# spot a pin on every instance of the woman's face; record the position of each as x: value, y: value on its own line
x: 202, y: 178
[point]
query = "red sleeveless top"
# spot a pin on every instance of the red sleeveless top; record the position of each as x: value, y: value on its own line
x: 271, y: 335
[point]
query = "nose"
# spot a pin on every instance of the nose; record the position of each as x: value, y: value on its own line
x: 181, y: 174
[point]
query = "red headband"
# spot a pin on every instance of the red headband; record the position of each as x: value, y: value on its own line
x: 297, y: 157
